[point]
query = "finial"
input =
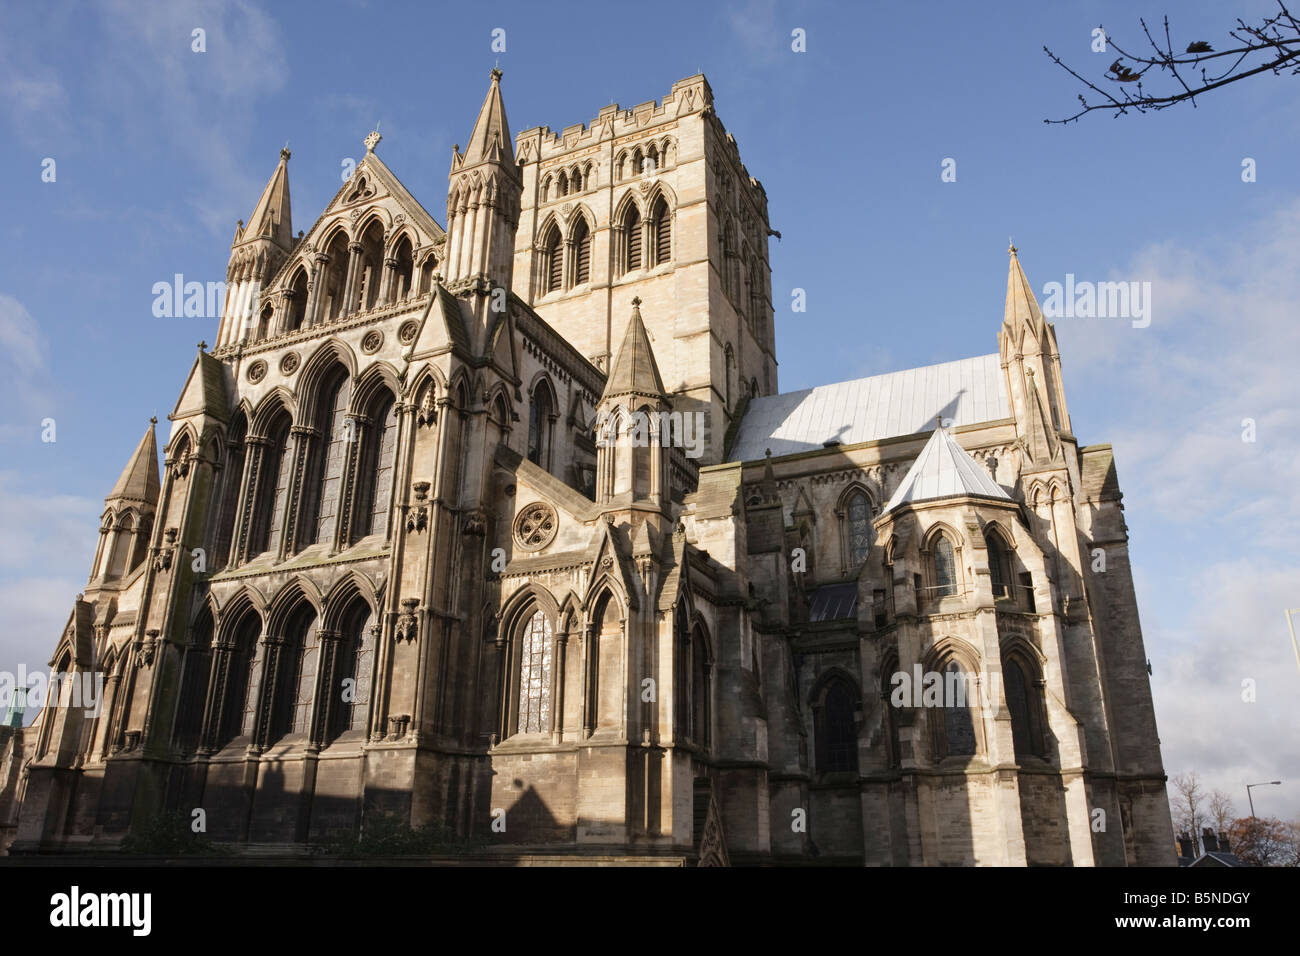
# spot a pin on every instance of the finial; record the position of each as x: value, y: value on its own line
x: 153, y: 420
x: 240, y: 223
x: 284, y: 153
x: 372, y: 139
x: 1029, y: 372
x: 767, y: 453
x: 938, y: 421
x: 203, y: 346
x: 496, y: 74
x: 1011, y: 246
x: 636, y: 302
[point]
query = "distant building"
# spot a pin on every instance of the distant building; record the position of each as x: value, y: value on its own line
x: 433, y: 540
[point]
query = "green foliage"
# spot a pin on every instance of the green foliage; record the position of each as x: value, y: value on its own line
x: 168, y: 834
x: 389, y: 835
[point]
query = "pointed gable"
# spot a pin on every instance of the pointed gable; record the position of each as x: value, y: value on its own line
x: 490, y: 141
x: 635, y: 371
x: 1021, y: 312
x: 205, y: 390
x: 139, y: 479
x: 944, y: 470
x: 271, y: 218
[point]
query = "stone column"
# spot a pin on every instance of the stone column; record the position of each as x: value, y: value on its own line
x: 350, y: 286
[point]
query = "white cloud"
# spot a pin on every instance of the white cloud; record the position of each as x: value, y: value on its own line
x: 22, y: 366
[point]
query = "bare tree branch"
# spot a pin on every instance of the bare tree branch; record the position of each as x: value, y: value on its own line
x: 1275, y: 41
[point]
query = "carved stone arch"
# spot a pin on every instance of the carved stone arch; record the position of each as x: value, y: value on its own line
x: 500, y: 407
x: 579, y: 211
x: 316, y: 372
x: 833, y: 673
x: 231, y: 613
x: 378, y: 377
x: 277, y: 401
x: 374, y: 214
x: 341, y: 226
x: 288, y: 599
x: 341, y: 595
x: 932, y: 531
x: 185, y: 439
x: 606, y: 584
x: 1017, y: 643
x: 522, y: 604
x: 947, y: 648
x: 405, y: 230
x: 628, y: 200
x: 995, y: 527
x: 570, y: 613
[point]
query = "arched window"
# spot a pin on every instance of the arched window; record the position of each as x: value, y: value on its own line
x: 958, y: 724
x: 662, y: 220
x: 540, y: 412
x: 683, y: 676
x: 296, y: 306
x: 887, y: 673
x: 335, y: 437
x: 376, y: 498
x: 535, y: 676
x: 239, y: 701
x: 264, y: 322
x: 194, y: 683
x: 295, y: 682
x: 577, y: 181
x: 404, y: 270
x: 561, y: 185
x: 582, y: 252
x: 272, y: 487
x: 632, y: 237
x: 1022, y: 701
x: 336, y: 271
x: 999, y: 566
x: 945, y: 568
x: 546, y: 189
x: 356, y: 654
x: 835, y: 727
x: 232, y: 474
x: 859, y: 528
x: 552, y: 260
x: 701, y: 681
x: 366, y: 293
x: 119, y: 558
x: 729, y: 379
x: 638, y: 161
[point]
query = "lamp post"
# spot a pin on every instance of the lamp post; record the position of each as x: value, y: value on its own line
x: 1267, y: 783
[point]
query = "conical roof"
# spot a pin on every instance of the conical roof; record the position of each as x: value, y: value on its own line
x: 1021, y: 306
x: 271, y: 217
x: 139, y: 479
x: 490, y: 141
x: 634, y: 371
x: 944, y: 470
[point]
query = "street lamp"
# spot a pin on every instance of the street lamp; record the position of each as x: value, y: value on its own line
x: 1267, y: 783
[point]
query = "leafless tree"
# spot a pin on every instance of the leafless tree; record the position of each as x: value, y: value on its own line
x: 1272, y: 45
x: 1222, y: 812
x: 1187, y: 806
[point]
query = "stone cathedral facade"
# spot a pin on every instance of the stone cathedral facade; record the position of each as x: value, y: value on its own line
x: 504, y: 526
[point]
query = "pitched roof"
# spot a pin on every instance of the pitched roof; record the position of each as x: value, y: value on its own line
x: 271, y: 217
x: 944, y: 470
x: 139, y: 479
x: 967, y: 391
x: 490, y: 141
x: 635, y: 371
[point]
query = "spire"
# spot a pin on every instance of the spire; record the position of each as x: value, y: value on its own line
x: 271, y: 218
x: 634, y: 371
x: 17, y: 707
x: 1040, y: 439
x: 944, y: 470
x: 139, y: 480
x: 490, y: 141
x: 1021, y: 307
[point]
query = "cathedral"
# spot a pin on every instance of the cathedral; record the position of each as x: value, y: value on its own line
x: 503, y: 527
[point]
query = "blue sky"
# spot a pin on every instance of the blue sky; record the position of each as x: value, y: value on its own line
x: 159, y: 150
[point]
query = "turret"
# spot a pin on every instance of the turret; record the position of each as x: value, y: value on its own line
x: 257, y: 251
x: 128, y: 513
x: 633, y: 424
x: 483, y: 210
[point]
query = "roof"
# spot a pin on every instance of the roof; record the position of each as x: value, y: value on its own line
x: 967, y: 391
x: 271, y: 218
x: 634, y: 371
x: 139, y: 479
x: 490, y: 141
x: 944, y: 470
x: 834, y: 602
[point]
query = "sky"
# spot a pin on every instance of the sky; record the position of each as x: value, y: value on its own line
x: 158, y: 149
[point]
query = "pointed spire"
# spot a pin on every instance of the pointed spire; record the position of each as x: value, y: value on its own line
x: 944, y: 470
x: 17, y: 707
x: 1021, y: 307
x: 271, y: 216
x: 634, y: 371
x: 1041, y: 441
x: 139, y: 479
x: 490, y: 141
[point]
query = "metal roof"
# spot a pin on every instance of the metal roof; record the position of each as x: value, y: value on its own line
x: 944, y: 470
x: 967, y: 391
x: 833, y: 602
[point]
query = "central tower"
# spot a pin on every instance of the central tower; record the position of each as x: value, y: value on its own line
x: 654, y: 203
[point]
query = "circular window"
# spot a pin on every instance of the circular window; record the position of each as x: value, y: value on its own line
x: 371, y: 341
x: 406, y: 334
x: 536, y: 526
x: 289, y: 364
x: 257, y: 371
